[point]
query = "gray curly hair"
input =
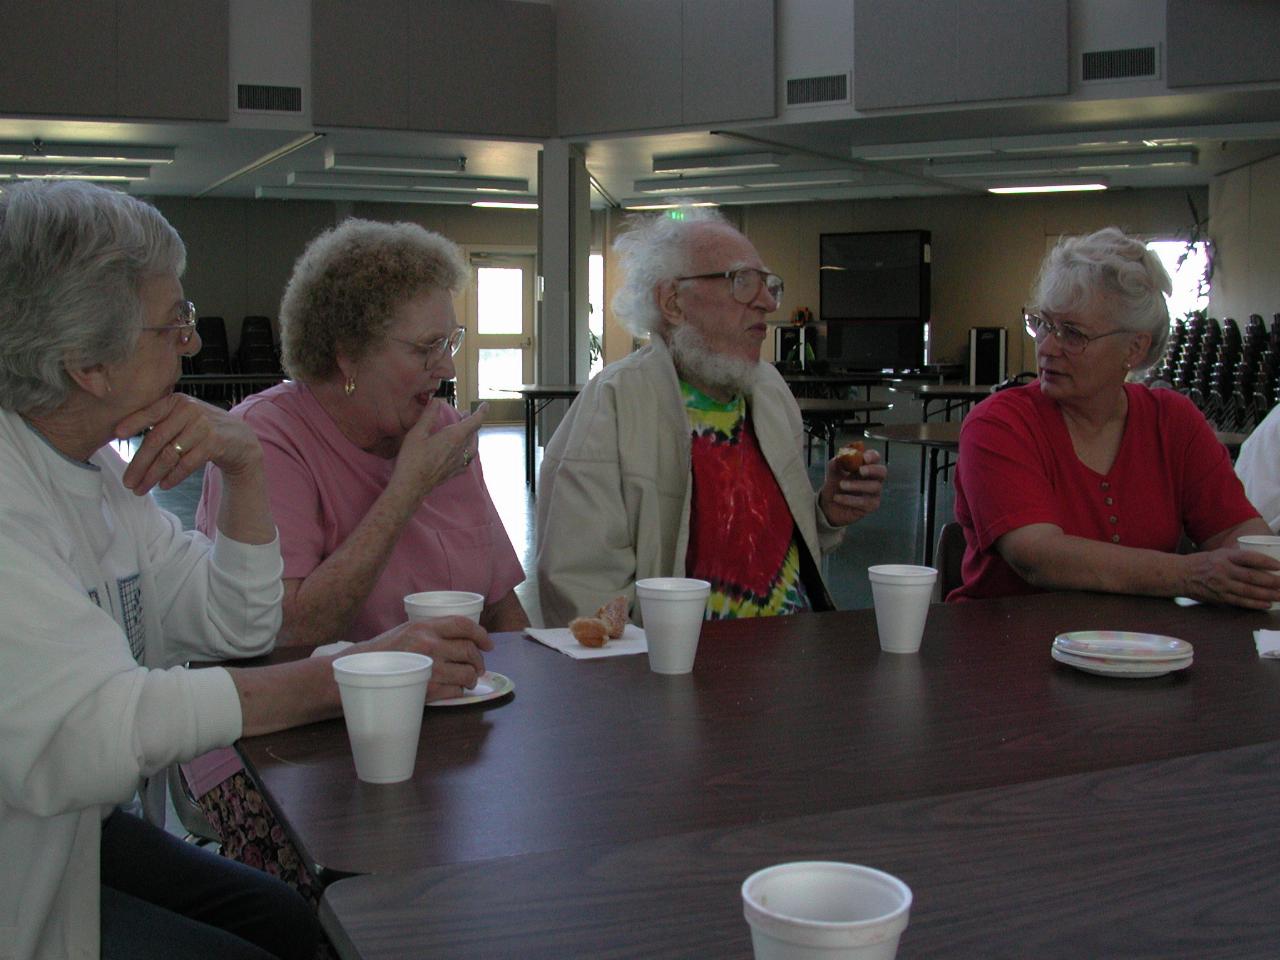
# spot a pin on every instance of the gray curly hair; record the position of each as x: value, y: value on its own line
x: 73, y: 257
x: 349, y: 282
x: 1119, y: 270
x: 655, y: 248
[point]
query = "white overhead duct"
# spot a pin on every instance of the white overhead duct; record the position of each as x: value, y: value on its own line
x: 270, y: 64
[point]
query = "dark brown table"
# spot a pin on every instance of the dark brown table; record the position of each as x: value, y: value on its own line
x: 952, y: 396
x: 834, y: 384
x: 536, y: 396
x: 782, y: 717
x: 825, y: 417
x: 938, y: 436
x: 1172, y: 859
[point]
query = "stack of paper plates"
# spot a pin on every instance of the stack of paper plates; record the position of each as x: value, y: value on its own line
x: 1115, y: 653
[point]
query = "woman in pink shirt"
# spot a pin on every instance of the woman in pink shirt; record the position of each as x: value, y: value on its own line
x: 1082, y: 480
x: 373, y: 481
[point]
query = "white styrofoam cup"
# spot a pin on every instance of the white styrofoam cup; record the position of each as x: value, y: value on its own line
x: 819, y: 910
x: 673, y: 609
x: 902, y: 593
x: 383, y: 694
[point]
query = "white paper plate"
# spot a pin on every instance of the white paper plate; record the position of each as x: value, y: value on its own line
x: 1122, y: 668
x: 1122, y: 646
x: 489, y: 687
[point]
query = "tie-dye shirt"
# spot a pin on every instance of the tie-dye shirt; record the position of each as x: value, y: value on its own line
x: 742, y: 538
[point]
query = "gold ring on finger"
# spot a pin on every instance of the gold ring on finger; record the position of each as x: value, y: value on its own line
x: 177, y: 448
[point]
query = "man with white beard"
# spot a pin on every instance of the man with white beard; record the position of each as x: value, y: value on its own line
x: 686, y: 458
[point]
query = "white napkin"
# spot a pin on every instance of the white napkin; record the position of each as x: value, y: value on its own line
x: 631, y: 641
x: 327, y: 648
x: 1268, y: 643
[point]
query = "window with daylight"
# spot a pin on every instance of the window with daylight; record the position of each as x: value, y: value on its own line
x: 595, y: 294
x: 1188, y: 266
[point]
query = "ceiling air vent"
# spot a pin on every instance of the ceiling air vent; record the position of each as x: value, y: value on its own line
x: 257, y: 96
x: 810, y: 91
x: 1135, y: 62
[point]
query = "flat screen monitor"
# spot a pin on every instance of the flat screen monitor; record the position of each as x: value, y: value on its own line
x: 882, y: 275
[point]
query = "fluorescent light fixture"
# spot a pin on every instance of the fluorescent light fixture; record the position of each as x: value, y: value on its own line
x: 750, y: 181
x: 505, y: 204
x: 378, y: 163
x: 367, y: 181
x: 1040, y: 166
x: 689, y: 163
x: 38, y: 151
x: 922, y: 151
x: 369, y: 196
x: 668, y: 206
x: 98, y: 173
x: 802, y: 179
x: 686, y: 186
x: 1049, y: 187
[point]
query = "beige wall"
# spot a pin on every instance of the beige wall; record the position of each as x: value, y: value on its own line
x: 1244, y: 225
x: 986, y: 250
x: 240, y: 252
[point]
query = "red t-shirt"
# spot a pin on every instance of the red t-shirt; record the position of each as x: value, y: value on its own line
x: 1017, y: 466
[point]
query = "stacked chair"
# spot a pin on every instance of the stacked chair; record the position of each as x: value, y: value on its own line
x: 214, y: 358
x: 214, y: 355
x: 256, y: 352
x: 1232, y: 376
x: 241, y: 374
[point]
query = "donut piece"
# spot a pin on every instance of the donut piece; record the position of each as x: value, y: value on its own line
x: 589, y: 631
x: 850, y: 456
x: 614, y: 614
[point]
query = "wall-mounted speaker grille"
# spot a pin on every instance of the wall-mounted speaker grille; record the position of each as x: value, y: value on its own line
x: 1119, y: 64
x: 809, y: 90
x: 257, y: 96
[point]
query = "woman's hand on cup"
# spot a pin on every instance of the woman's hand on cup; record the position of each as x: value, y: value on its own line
x: 182, y: 434
x: 1232, y: 575
x: 455, y: 644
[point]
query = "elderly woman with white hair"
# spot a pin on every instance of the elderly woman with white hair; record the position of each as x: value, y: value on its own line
x: 686, y: 458
x: 105, y: 597
x: 1083, y: 480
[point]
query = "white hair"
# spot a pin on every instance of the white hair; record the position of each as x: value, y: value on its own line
x: 73, y: 258
x: 655, y: 249
x: 697, y: 362
x: 1116, y: 269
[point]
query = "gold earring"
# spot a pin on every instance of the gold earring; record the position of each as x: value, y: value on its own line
x: 350, y: 386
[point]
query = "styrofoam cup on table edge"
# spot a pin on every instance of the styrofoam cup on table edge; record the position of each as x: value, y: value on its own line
x: 1261, y: 543
x: 673, y: 609
x: 431, y: 604
x: 821, y: 910
x: 383, y: 695
x: 901, y: 593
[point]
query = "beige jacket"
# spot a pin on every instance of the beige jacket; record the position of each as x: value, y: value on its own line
x: 614, y: 491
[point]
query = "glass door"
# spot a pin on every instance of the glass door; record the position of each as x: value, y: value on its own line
x: 499, y: 339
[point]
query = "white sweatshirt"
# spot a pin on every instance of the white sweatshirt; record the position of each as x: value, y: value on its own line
x: 1258, y: 468
x: 102, y: 597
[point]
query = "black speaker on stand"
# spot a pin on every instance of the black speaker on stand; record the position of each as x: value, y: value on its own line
x: 988, y: 347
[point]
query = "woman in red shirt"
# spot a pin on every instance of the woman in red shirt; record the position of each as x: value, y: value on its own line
x: 1082, y: 480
